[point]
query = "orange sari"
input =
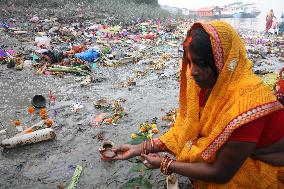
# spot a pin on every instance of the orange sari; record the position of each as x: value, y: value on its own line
x: 237, y: 98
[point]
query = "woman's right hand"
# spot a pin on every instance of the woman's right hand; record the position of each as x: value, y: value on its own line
x: 126, y: 151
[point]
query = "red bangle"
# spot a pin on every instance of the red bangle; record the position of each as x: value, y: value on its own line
x: 159, y: 143
x: 165, y: 165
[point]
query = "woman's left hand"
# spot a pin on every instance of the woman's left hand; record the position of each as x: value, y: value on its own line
x: 152, y: 161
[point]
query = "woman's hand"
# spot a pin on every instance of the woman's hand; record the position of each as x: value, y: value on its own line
x: 126, y: 151
x: 152, y: 161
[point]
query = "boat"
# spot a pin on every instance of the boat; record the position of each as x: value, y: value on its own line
x: 239, y: 10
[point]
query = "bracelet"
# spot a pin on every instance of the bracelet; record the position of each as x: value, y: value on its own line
x: 165, y: 165
x: 149, y: 146
x: 159, y: 143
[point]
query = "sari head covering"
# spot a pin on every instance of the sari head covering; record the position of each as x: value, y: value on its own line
x: 237, y: 98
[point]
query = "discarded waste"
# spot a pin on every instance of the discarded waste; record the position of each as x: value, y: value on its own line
x: 89, y: 55
x: 38, y: 101
x: 29, y: 138
x: 75, y: 177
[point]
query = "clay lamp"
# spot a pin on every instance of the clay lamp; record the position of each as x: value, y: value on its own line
x: 107, y: 150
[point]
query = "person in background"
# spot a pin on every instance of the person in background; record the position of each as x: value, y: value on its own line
x: 269, y: 19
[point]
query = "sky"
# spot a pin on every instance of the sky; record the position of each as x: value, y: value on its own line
x: 263, y: 5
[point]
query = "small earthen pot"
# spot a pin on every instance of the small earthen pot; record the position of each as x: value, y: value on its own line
x: 107, y: 150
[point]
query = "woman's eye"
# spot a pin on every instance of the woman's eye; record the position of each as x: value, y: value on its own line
x: 202, y: 64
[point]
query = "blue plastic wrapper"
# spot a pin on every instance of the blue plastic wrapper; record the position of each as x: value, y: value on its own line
x: 3, y: 53
x: 89, y: 55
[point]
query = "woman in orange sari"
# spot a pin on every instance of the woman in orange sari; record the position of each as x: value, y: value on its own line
x: 229, y: 131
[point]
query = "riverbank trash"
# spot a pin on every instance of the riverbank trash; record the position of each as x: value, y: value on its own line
x: 40, y: 125
x: 29, y: 138
x: 172, y: 182
x: 89, y: 55
x: 42, y: 42
x: 38, y: 101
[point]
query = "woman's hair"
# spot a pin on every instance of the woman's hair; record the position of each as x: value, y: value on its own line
x: 201, y: 46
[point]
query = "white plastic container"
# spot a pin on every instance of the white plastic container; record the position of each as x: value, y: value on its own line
x: 30, y: 138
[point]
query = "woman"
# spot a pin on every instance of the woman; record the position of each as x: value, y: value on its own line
x: 269, y: 20
x: 229, y: 129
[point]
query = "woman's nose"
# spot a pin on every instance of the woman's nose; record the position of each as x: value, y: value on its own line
x: 194, y: 70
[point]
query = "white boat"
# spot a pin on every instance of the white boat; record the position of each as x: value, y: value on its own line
x: 239, y: 10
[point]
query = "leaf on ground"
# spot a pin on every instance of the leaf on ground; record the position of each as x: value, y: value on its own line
x: 139, y: 182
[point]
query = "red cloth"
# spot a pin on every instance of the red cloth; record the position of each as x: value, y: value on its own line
x: 264, y: 131
x: 268, y: 24
x: 202, y: 98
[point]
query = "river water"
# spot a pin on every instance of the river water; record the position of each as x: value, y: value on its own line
x: 257, y: 24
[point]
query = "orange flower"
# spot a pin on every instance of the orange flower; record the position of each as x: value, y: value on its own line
x: 164, y: 118
x: 155, y: 131
x: 143, y: 129
x: 17, y: 122
x: 43, y: 116
x: 42, y: 111
x: 108, y: 120
x: 48, y: 122
x: 31, y: 109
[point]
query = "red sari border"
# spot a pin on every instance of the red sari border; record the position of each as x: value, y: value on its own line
x: 217, y: 46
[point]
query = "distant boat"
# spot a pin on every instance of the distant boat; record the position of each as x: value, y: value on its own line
x: 239, y: 10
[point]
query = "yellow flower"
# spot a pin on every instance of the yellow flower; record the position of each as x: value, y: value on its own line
x: 116, y: 103
x: 133, y: 136
x: 154, y: 126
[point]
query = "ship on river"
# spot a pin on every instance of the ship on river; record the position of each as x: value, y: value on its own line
x: 239, y: 10
x: 234, y: 10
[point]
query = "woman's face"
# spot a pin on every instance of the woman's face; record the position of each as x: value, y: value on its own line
x: 201, y: 72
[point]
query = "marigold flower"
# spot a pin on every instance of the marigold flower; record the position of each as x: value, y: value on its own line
x: 108, y: 120
x: 133, y: 136
x: 17, y: 122
x: 42, y: 111
x: 31, y: 109
x: 48, y: 122
x: 164, y: 118
x: 155, y: 131
x: 143, y: 129
x: 43, y: 116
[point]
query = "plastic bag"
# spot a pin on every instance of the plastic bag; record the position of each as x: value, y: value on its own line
x: 89, y: 55
x: 43, y: 41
